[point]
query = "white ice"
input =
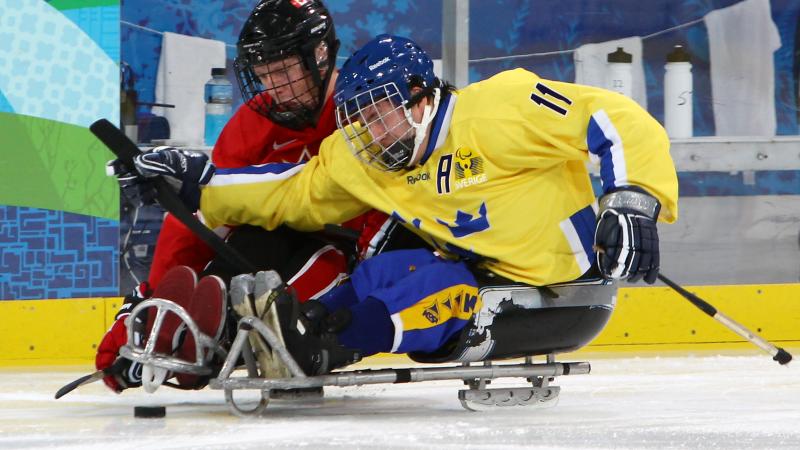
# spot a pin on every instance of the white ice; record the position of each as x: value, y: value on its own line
x: 637, y: 402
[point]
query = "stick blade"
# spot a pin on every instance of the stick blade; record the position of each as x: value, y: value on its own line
x: 783, y: 357
x: 79, y: 382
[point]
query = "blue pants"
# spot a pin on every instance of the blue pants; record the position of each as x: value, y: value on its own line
x: 405, y: 300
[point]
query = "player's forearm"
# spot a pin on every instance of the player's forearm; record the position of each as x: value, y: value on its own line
x: 632, y: 149
x: 651, y: 168
x: 252, y: 204
x: 304, y: 199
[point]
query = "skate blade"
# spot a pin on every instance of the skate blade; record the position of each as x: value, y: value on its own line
x: 297, y: 394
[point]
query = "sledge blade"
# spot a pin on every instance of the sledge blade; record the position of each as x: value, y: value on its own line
x: 488, y: 399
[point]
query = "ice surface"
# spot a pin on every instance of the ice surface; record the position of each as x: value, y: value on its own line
x: 655, y: 402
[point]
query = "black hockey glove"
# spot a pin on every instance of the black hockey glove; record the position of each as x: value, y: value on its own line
x: 626, y: 238
x: 189, y: 171
x: 138, y: 190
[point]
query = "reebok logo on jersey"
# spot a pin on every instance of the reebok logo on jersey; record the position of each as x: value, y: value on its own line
x: 412, y: 179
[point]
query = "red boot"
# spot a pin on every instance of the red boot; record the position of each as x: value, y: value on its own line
x: 207, y: 308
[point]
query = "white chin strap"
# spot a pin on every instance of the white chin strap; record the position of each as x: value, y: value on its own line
x: 421, y: 128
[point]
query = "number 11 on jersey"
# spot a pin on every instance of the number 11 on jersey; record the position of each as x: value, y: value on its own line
x: 542, y: 101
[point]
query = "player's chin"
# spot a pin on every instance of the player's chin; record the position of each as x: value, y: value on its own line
x: 296, y: 106
x: 397, y: 155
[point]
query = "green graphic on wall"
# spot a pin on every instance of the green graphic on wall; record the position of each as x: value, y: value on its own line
x: 53, y: 165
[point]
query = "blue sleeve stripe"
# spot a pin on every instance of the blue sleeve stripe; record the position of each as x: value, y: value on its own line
x: 579, y: 231
x: 584, y: 223
x: 605, y: 147
x: 255, y: 174
x: 260, y: 169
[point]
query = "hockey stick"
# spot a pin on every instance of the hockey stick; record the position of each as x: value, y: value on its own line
x: 126, y: 150
x: 778, y: 354
x: 113, y: 369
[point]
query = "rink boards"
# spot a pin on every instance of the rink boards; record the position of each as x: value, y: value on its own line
x: 646, y: 320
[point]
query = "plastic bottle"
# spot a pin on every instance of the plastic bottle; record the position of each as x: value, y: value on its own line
x: 128, y: 102
x: 678, y: 94
x: 219, y: 104
x: 620, y: 72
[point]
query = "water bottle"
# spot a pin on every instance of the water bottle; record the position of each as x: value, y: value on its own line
x: 620, y: 72
x: 678, y: 94
x: 219, y: 104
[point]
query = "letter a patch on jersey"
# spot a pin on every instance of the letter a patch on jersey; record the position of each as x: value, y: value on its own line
x: 443, y: 174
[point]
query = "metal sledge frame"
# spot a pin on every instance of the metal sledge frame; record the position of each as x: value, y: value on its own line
x: 478, y: 348
x: 146, y: 354
x: 477, y: 397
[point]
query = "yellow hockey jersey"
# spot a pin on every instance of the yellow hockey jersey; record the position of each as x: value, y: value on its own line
x: 504, y: 176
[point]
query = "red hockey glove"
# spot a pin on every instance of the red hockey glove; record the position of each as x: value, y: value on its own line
x: 130, y: 373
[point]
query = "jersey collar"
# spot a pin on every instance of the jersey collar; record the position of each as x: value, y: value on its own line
x: 440, y: 127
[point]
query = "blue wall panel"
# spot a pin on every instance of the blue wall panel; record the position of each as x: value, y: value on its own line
x: 498, y: 28
x: 55, y: 254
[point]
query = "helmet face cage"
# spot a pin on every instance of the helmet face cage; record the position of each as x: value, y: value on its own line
x: 285, y: 60
x: 375, y: 127
x: 388, y: 67
x: 295, y: 96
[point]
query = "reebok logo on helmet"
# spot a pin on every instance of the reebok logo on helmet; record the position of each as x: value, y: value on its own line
x: 317, y: 28
x: 379, y: 63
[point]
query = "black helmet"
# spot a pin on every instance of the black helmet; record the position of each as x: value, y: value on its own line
x: 283, y: 36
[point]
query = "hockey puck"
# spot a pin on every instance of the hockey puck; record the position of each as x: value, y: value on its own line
x: 149, y: 412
